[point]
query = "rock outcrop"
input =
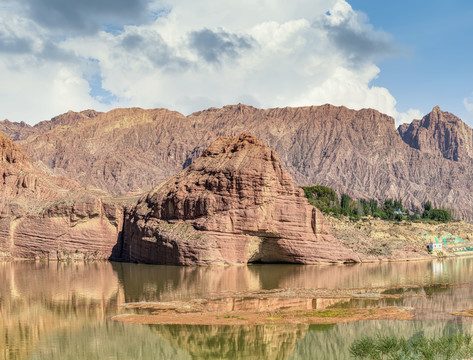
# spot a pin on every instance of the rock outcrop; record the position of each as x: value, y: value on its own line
x: 234, y: 204
x: 52, y: 217
x: 440, y: 133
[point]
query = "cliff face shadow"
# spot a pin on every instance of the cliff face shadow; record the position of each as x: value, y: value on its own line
x: 117, y: 250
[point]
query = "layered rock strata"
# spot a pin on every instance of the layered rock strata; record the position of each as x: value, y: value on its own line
x: 234, y: 204
x: 52, y: 217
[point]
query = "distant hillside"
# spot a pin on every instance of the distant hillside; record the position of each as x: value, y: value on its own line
x: 357, y: 152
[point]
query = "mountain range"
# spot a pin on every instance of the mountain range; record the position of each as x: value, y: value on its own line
x: 360, y: 153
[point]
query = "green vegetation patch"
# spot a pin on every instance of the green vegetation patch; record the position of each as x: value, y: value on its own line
x: 331, y: 313
x: 326, y: 200
x: 457, y: 346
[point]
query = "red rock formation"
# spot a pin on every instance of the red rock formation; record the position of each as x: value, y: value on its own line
x: 52, y: 217
x: 440, y: 133
x: 234, y: 204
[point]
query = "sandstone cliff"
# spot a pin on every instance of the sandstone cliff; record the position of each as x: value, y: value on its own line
x: 440, y: 133
x: 356, y: 152
x: 234, y: 204
x: 51, y: 217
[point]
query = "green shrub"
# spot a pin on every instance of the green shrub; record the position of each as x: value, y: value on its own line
x: 435, y: 214
x: 322, y: 197
x: 417, y: 347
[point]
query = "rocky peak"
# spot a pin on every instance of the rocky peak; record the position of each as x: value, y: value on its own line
x: 440, y: 133
x: 229, y: 145
x: 15, y: 130
x: 241, y: 170
x: 11, y: 152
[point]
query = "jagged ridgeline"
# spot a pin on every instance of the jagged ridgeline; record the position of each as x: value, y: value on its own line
x: 358, y: 153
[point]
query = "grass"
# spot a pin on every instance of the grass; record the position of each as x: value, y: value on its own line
x: 234, y: 317
x: 417, y: 347
x: 330, y: 313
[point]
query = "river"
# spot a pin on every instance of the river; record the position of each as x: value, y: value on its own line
x: 63, y: 310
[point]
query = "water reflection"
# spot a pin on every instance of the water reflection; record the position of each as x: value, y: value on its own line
x: 151, y: 282
x: 49, y: 309
x: 116, y: 341
x: 37, y: 299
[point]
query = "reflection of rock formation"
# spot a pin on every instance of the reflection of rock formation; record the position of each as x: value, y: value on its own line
x: 59, y: 282
x: 148, y: 283
x: 440, y: 301
x: 65, y: 304
x: 37, y: 299
x: 233, y: 342
x: 145, y: 282
x: 107, y: 341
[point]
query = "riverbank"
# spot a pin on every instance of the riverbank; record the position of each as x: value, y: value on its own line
x: 373, y: 240
x: 380, y: 240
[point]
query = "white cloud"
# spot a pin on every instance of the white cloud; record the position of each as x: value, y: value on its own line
x: 468, y: 103
x: 407, y: 117
x: 41, y: 92
x: 269, y: 53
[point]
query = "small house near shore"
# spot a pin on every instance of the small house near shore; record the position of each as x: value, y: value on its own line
x: 435, y: 246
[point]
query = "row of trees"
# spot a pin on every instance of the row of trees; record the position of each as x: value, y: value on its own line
x: 326, y: 200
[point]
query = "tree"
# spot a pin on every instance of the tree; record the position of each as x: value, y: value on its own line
x: 322, y: 197
x: 398, y: 204
x: 388, y: 208
x: 427, y: 206
x: 373, y: 206
x: 366, y: 207
x: 439, y: 215
x: 345, y: 204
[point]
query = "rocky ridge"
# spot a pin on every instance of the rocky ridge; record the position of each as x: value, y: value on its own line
x: 51, y: 217
x: 234, y: 204
x: 356, y: 152
x: 440, y: 133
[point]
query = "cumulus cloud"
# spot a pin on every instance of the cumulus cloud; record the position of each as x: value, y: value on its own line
x: 407, y: 117
x: 192, y: 55
x: 37, y: 93
x: 350, y: 32
x: 213, y: 46
x: 72, y: 16
x: 10, y: 43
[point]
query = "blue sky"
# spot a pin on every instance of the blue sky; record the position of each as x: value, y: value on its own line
x: 401, y: 58
x: 434, y: 66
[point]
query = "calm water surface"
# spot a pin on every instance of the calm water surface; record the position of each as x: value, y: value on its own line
x: 63, y: 310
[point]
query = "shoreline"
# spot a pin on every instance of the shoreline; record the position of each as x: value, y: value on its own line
x: 365, y: 261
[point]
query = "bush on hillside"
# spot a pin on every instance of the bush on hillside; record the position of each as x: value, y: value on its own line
x: 322, y: 197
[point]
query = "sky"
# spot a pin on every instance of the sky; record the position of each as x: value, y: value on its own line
x: 399, y: 57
